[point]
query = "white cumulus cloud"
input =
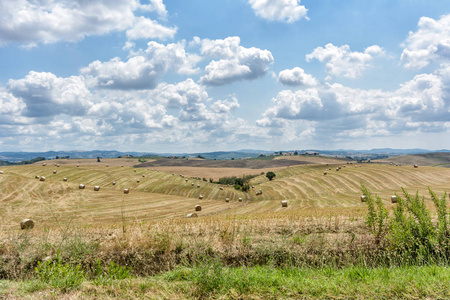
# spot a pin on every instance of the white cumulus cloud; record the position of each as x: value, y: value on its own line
x: 430, y: 43
x: 296, y: 77
x: 144, y: 28
x: 340, y: 61
x: 237, y: 62
x: 48, y: 21
x: 287, y: 11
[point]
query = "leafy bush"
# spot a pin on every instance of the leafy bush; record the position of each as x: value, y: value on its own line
x: 60, y: 275
x: 411, y: 233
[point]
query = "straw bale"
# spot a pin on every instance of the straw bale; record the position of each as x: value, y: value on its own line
x: 126, y: 191
x: 192, y: 215
x: 81, y: 186
x: 96, y: 188
x: 284, y: 203
x: 26, y: 224
x: 198, y: 208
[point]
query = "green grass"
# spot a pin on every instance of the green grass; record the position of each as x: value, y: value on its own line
x: 213, y: 281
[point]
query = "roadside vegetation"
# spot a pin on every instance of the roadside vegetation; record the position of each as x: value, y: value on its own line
x: 371, y: 250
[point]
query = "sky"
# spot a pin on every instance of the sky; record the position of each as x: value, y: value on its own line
x: 201, y: 75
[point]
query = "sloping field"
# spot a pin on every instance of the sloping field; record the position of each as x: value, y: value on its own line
x: 441, y: 159
x: 206, y: 163
x: 161, y: 195
x: 314, y: 159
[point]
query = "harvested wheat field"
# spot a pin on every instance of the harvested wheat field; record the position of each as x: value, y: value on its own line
x: 160, y: 195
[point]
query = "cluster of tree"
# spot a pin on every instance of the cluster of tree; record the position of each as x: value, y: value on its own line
x: 239, y: 183
x: 62, y: 157
x: 25, y: 162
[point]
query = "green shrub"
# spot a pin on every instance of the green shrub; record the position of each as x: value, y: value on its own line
x: 60, y: 275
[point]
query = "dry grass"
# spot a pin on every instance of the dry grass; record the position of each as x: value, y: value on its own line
x: 314, y: 159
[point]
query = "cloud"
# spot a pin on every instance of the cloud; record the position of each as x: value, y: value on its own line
x: 46, y: 95
x: 430, y: 43
x: 340, y: 114
x: 340, y: 61
x: 144, y: 28
x: 49, y: 21
x: 143, y: 70
x: 237, y: 63
x: 287, y: 11
x: 296, y: 77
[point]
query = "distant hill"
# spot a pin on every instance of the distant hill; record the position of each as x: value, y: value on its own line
x: 441, y: 159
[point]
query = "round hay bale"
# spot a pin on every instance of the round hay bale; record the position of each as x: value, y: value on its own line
x: 54, y: 171
x: 57, y: 165
x: 78, y: 166
x: 192, y: 183
x: 143, y: 175
x: 42, y: 178
x: 138, y: 181
x: 253, y: 186
x: 198, y: 208
x: 126, y: 191
x: 284, y: 203
x: 64, y: 179
x: 337, y: 169
x: 240, y: 199
x: 107, y: 166
x: 26, y: 224
x: 416, y: 166
x: 363, y: 198
x: 187, y: 180
x: 344, y: 166
x: 96, y: 188
x: 192, y: 215
x: 221, y: 188
x: 1, y: 172
x: 200, y: 197
x: 198, y: 185
x: 394, y: 199
x: 329, y: 169
x: 113, y: 183
x: 37, y: 176
x: 325, y: 173
x: 135, y: 170
x: 44, y: 164
x: 173, y: 174
x: 81, y: 186
x: 227, y: 199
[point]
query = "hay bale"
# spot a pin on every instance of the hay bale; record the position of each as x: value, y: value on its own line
x: 363, y: 198
x: 337, y: 169
x: 187, y: 180
x: 200, y: 197
x: 198, y: 208
x: 96, y: 188
x: 325, y: 173
x: 394, y: 199
x: 135, y: 170
x: 107, y: 166
x: 126, y: 191
x: 26, y: 224
x: 416, y: 166
x: 284, y: 203
x: 44, y: 164
x: 253, y: 186
x: 329, y: 169
x: 81, y: 186
x: 221, y: 188
x: 192, y: 183
x: 64, y: 179
x: 173, y: 174
x: 57, y: 165
x: 227, y: 199
x: 113, y: 183
x: 54, y: 171
x: 192, y: 215
x: 143, y: 175
x: 78, y: 166
x: 1, y: 172
x: 37, y: 176
x: 198, y: 185
x: 344, y: 166
x: 138, y: 181
x: 240, y: 199
x: 42, y: 178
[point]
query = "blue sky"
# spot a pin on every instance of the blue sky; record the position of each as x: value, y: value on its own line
x: 193, y: 76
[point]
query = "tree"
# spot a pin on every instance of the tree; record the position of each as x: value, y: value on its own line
x: 295, y: 153
x: 270, y: 175
x: 98, y: 158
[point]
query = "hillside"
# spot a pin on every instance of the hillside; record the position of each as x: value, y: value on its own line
x: 161, y: 195
x: 441, y: 159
